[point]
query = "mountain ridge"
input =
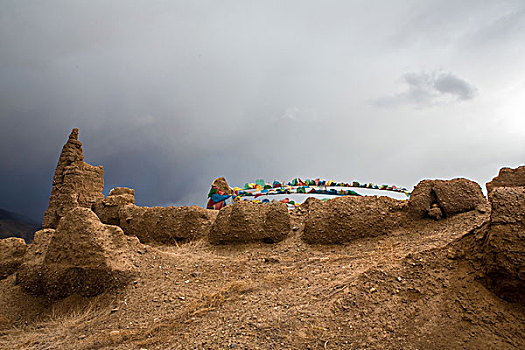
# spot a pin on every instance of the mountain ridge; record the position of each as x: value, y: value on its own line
x: 17, y: 225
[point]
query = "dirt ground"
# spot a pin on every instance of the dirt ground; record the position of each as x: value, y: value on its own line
x: 405, y: 290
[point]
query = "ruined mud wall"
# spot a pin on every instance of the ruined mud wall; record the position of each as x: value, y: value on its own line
x: 160, y: 225
x: 504, y: 248
x: 12, y: 251
x: 86, y: 252
x: 245, y: 222
x: 166, y: 225
x: 344, y: 219
x: 442, y: 198
x: 82, y: 256
x: 75, y: 184
x: 107, y: 209
x: 507, y: 177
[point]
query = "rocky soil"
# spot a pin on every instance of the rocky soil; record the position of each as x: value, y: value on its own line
x: 409, y: 289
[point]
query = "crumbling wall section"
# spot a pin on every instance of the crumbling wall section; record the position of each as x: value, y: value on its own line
x: 107, y: 209
x: 507, y: 177
x: 245, y: 222
x: 504, y: 250
x: 82, y: 256
x: 75, y: 184
x: 166, y: 225
x: 12, y: 251
x: 343, y: 219
x: 442, y: 198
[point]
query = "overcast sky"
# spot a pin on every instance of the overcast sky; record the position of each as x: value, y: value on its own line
x: 169, y: 95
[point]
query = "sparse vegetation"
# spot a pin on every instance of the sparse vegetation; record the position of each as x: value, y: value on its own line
x: 392, y: 291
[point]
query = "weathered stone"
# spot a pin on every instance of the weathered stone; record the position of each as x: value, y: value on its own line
x: 75, y: 184
x: 507, y: 177
x: 457, y: 195
x: 30, y: 272
x: 344, y: 219
x: 421, y: 199
x: 435, y: 212
x: 505, y: 261
x: 505, y: 246
x: 83, y: 257
x: 166, y: 225
x: 245, y: 222
x: 452, y: 197
x: 508, y: 205
x: 306, y: 204
x: 12, y: 251
x: 107, y: 209
x: 122, y: 190
x: 119, y: 200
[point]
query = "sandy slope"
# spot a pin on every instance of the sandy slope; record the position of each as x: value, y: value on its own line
x: 407, y: 290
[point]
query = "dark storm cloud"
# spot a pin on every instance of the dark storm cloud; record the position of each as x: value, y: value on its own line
x: 171, y: 94
x: 430, y: 89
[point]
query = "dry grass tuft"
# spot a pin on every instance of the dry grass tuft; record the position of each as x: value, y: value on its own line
x: 162, y: 330
x: 60, y: 328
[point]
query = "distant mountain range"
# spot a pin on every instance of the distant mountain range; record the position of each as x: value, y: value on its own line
x: 16, y: 225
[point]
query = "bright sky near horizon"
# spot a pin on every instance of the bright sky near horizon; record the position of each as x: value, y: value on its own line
x: 169, y: 95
